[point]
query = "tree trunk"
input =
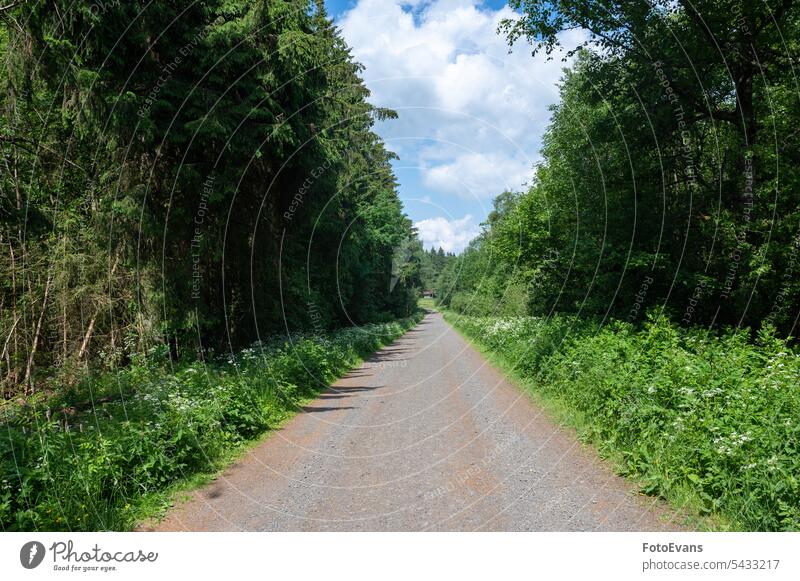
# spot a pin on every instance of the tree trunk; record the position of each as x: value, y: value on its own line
x: 11, y: 332
x: 36, y: 334
x: 12, y: 373
x: 87, y: 337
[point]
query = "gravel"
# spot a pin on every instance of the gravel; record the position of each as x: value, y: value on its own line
x: 426, y: 435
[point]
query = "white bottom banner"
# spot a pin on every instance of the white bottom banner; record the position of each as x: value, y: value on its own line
x: 374, y: 556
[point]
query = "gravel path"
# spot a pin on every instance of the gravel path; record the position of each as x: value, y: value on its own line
x: 425, y: 435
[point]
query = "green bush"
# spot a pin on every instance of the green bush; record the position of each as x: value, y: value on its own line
x: 153, y: 426
x: 685, y: 409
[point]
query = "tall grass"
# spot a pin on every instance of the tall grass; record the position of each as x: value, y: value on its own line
x: 684, y: 409
x: 86, y: 459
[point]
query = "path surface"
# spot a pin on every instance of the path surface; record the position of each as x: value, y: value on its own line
x: 426, y: 435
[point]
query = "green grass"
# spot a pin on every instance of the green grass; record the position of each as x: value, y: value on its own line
x: 155, y: 430
x: 152, y: 507
x: 426, y: 303
x: 709, y: 422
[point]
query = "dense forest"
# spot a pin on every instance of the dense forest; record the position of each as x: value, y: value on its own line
x: 190, y: 174
x: 669, y: 177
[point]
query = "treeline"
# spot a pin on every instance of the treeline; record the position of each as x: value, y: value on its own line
x: 194, y: 174
x: 432, y: 263
x: 670, y: 175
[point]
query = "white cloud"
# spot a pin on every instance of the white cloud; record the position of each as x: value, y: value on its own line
x: 450, y: 235
x: 471, y: 114
x: 473, y: 174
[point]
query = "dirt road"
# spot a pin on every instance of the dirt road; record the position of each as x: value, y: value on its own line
x: 426, y: 435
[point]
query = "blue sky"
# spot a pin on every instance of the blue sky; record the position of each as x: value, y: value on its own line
x: 337, y: 7
x: 471, y: 115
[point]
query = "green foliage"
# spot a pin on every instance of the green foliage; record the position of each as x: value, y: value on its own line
x: 659, y: 191
x: 669, y: 173
x: 88, y: 467
x: 190, y: 174
x: 431, y: 265
x: 684, y: 409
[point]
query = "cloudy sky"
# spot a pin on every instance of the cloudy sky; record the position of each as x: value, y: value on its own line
x: 471, y: 115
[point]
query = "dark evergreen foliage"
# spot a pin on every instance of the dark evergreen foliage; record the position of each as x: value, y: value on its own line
x: 200, y: 174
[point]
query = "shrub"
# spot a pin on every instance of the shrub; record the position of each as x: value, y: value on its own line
x: 90, y: 470
x: 718, y: 414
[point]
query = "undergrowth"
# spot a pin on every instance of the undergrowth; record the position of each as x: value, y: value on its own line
x: 717, y: 415
x: 86, y: 459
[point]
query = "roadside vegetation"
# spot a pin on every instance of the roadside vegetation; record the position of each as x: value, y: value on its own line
x: 178, y: 180
x: 89, y: 458
x: 646, y: 282
x: 710, y: 420
x: 181, y: 178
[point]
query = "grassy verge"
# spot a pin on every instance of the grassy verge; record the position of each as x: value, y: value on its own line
x: 710, y: 422
x: 119, y: 444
